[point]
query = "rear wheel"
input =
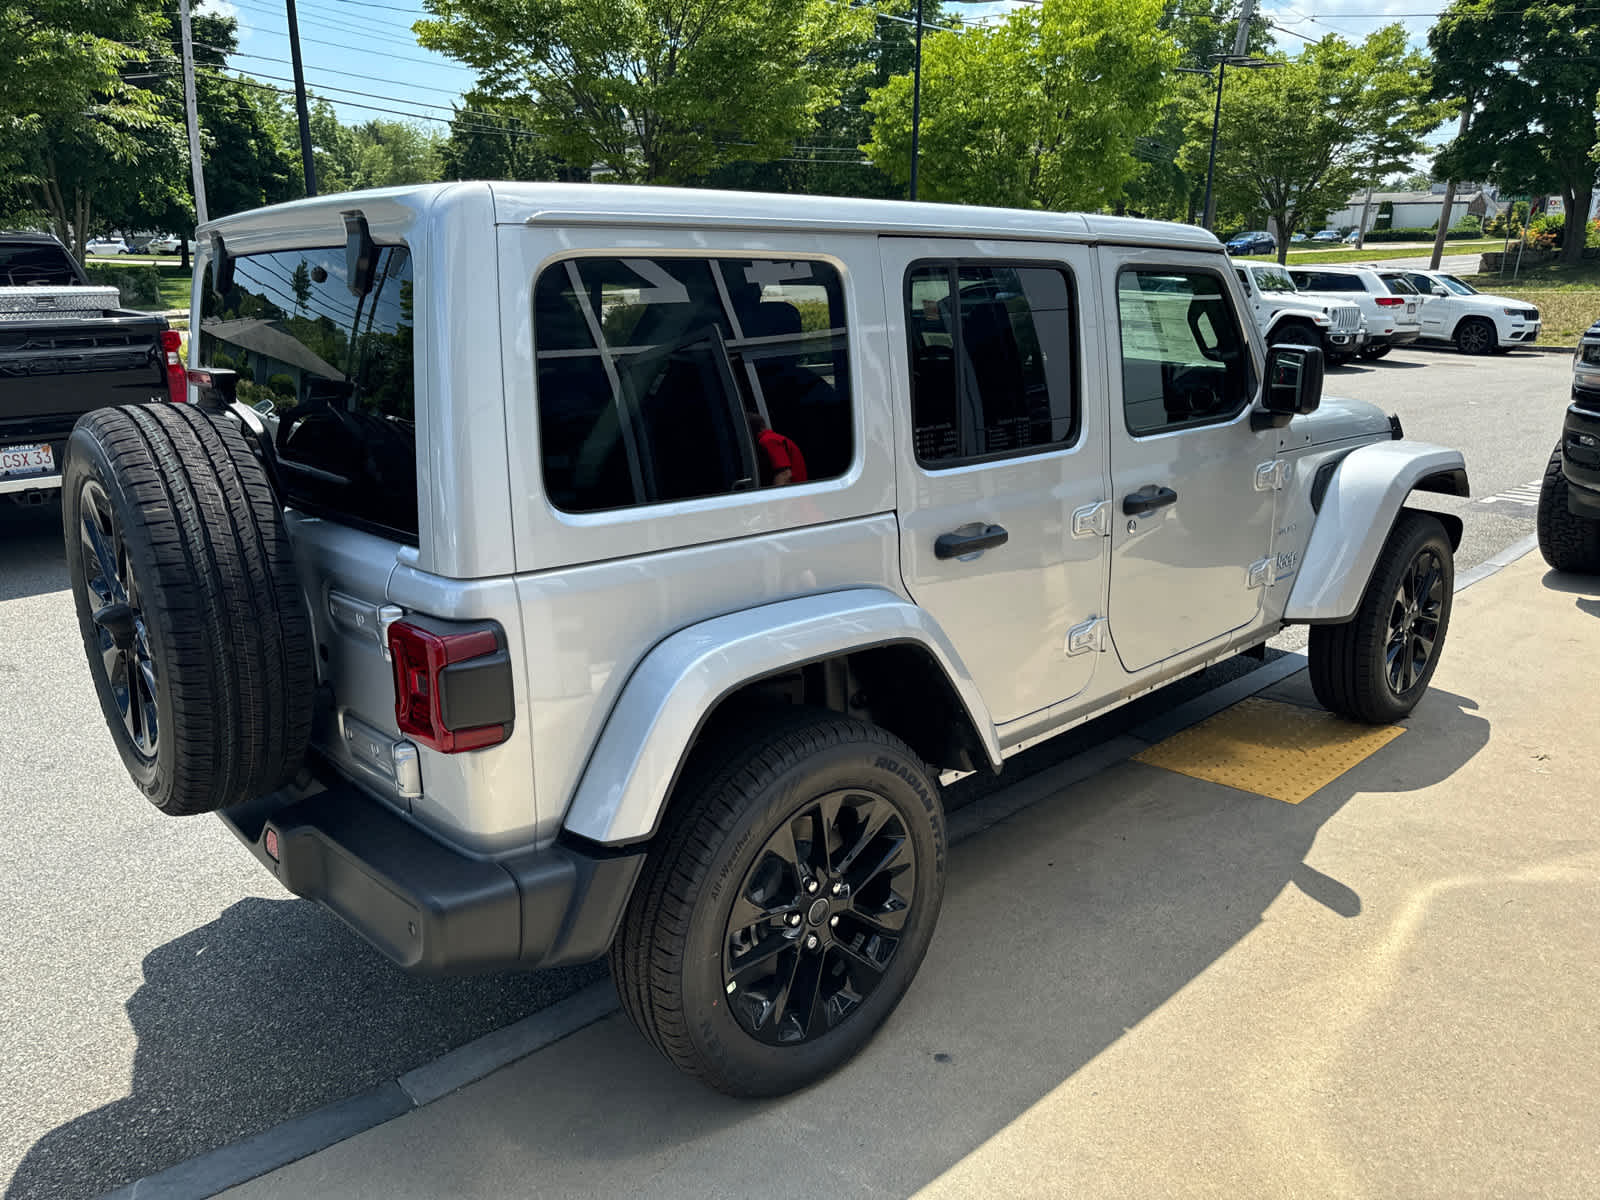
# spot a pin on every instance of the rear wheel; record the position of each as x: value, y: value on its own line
x: 1475, y: 335
x: 198, y: 640
x: 788, y: 904
x: 1567, y: 541
x: 1376, y: 666
x: 1375, y: 352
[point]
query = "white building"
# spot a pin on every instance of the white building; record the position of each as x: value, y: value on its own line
x: 1415, y: 210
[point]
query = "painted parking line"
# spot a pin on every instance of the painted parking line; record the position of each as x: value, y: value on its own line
x: 1524, y: 497
x: 1282, y: 751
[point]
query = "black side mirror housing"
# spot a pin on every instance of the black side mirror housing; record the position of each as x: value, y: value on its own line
x: 360, y: 255
x: 1293, y: 387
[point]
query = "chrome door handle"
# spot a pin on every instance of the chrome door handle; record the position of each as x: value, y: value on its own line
x: 1147, y: 499
x: 957, y: 545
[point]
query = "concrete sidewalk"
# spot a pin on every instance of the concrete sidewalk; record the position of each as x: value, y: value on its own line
x: 1150, y: 985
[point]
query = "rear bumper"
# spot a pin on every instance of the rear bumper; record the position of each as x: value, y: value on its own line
x: 1400, y: 337
x: 428, y: 907
x: 31, y: 483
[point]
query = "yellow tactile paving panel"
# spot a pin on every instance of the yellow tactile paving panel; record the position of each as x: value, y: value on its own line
x: 1274, y: 749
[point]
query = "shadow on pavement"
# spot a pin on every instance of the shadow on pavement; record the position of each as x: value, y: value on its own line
x: 271, y: 1010
x: 1586, y: 587
x: 1062, y: 928
x: 31, y: 562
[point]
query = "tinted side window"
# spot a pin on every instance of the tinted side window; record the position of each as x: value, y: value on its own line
x: 1325, y: 281
x: 1184, y: 360
x: 31, y: 264
x: 993, y: 353
x: 666, y: 379
x: 334, y: 370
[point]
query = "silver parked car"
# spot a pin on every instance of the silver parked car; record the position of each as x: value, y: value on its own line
x: 551, y: 572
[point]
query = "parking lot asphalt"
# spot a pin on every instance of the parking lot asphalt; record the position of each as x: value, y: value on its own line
x: 165, y: 997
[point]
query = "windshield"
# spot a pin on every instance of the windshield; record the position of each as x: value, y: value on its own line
x: 1270, y: 280
x: 1456, y: 286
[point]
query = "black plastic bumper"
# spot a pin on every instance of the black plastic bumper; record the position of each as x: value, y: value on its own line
x: 431, y: 908
x: 1580, y: 458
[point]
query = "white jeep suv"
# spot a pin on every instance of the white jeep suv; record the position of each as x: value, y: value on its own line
x: 1389, y: 304
x: 620, y: 570
x: 1286, y: 315
x: 1478, y: 323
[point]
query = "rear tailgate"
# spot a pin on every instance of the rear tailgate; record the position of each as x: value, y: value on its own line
x: 54, y: 370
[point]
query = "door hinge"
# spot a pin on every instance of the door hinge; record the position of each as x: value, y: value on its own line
x: 1270, y: 475
x: 1092, y: 520
x: 1087, y: 637
x: 1260, y: 573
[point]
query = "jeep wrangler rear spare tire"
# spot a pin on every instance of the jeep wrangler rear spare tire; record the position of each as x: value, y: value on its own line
x: 787, y: 902
x: 1567, y: 541
x: 198, y: 640
x: 1376, y: 666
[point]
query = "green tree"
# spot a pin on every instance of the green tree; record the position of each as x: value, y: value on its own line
x: 1040, y: 111
x: 1531, y: 73
x: 1296, y: 140
x: 659, y: 91
x: 489, y: 140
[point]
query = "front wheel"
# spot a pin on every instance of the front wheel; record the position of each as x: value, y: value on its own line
x: 1567, y: 541
x: 1376, y: 666
x: 788, y: 903
x: 1476, y: 336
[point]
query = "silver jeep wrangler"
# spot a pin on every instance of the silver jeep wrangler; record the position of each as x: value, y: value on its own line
x: 545, y: 572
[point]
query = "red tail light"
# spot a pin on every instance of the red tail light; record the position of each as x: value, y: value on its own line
x: 1391, y: 301
x: 177, y: 377
x: 452, y: 691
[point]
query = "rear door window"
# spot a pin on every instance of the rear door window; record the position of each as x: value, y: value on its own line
x: 1326, y: 281
x: 667, y: 379
x: 335, y: 374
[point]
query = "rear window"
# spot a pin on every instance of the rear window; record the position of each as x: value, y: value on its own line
x: 665, y: 379
x: 1326, y: 281
x: 36, y: 265
x: 333, y: 371
x: 1398, y: 285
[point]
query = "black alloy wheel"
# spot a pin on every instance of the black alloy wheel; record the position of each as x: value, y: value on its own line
x: 1415, y: 613
x: 1476, y: 336
x: 818, y: 918
x: 123, y: 637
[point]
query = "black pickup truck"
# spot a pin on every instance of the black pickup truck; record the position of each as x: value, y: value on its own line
x: 66, y: 348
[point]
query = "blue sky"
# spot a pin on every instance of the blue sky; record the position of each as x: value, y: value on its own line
x: 366, y: 46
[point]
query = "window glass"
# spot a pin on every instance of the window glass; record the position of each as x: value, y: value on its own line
x: 1273, y: 279
x: 1399, y: 286
x: 1184, y: 360
x: 36, y: 264
x: 1326, y: 281
x: 1457, y: 286
x: 993, y: 360
x: 667, y: 379
x: 334, y: 373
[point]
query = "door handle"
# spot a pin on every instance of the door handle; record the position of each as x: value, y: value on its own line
x: 1147, y: 499
x: 957, y: 545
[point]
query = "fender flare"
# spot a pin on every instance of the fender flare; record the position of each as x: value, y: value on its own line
x: 1365, y: 495
x: 676, y: 686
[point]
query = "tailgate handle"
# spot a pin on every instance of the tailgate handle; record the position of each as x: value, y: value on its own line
x: 958, y: 545
x: 1147, y: 499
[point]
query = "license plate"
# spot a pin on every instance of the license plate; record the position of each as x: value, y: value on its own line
x: 27, y: 460
x: 1411, y: 308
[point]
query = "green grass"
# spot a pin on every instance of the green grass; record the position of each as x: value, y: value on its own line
x: 1568, y: 298
x: 1377, y: 252
x: 174, y: 285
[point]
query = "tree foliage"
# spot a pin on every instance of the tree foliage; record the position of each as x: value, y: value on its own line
x: 1040, y: 111
x: 1296, y: 140
x: 1531, y: 72
x: 658, y: 91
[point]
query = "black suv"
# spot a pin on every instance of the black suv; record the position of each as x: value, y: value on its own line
x: 1569, y: 502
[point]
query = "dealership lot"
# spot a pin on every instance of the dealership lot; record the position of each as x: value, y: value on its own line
x: 165, y: 997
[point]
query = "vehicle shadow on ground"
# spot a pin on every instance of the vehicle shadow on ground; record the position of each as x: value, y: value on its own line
x: 1363, y: 366
x: 1062, y: 928
x: 31, y: 561
x: 272, y: 1010
x: 1585, y: 587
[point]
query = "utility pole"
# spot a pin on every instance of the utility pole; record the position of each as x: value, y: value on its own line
x: 1366, y: 209
x: 1449, y: 195
x: 916, y: 100
x: 1241, y: 40
x: 193, y: 118
x: 1210, y: 217
x: 300, y: 101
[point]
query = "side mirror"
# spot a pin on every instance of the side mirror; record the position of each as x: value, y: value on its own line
x: 1440, y: 290
x: 1294, y: 385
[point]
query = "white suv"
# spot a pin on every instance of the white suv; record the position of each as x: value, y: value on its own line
x: 1286, y: 315
x: 1478, y: 323
x: 1389, y: 305
x: 621, y: 570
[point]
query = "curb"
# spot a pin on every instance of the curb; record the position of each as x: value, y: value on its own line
x: 239, y: 1162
